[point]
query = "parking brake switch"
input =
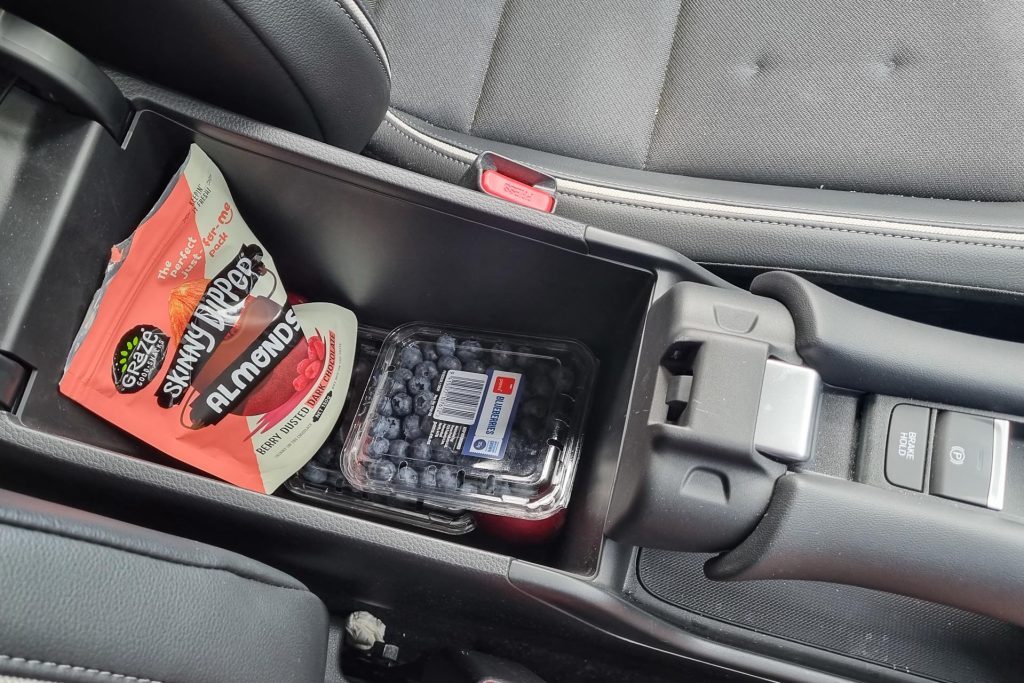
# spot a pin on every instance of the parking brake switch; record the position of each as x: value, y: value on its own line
x: 969, y: 459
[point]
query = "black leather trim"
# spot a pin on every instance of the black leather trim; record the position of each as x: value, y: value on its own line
x: 88, y: 598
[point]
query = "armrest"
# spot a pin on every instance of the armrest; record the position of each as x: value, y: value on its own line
x: 86, y: 594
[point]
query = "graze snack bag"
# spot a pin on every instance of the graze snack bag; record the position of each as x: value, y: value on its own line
x: 191, y: 345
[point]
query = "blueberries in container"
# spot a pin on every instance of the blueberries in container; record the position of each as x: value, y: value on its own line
x: 327, y: 455
x: 449, y: 363
x: 474, y: 365
x: 381, y: 470
x: 411, y: 429
x: 429, y: 352
x: 447, y: 478
x: 398, y: 449
x: 442, y: 454
x: 410, y: 357
x: 501, y: 354
x: 407, y: 476
x: 402, y: 374
x: 422, y: 385
x: 401, y: 404
x: 381, y: 426
x: 384, y: 407
x: 470, y: 349
x: 395, y: 386
x: 420, y: 449
x: 428, y: 369
x: 428, y: 477
x: 446, y: 345
x: 422, y: 402
x: 313, y: 473
x: 378, y: 447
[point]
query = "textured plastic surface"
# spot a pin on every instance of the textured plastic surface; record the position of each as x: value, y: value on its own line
x: 823, y: 529
x: 61, y: 73
x: 890, y: 630
x: 859, y: 348
x: 486, y: 422
x: 690, y: 477
x: 321, y: 480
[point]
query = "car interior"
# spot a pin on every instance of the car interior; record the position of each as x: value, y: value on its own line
x: 734, y: 294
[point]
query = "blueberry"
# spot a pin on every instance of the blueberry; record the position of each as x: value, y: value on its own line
x: 501, y: 353
x: 401, y: 404
x: 535, y: 407
x: 420, y: 449
x: 422, y: 402
x: 430, y: 353
x: 525, y: 358
x: 446, y: 345
x: 381, y: 470
x: 447, y: 478
x: 407, y: 476
x: 411, y: 356
x: 411, y: 429
x: 449, y: 363
x: 395, y: 386
x: 428, y: 477
x: 564, y: 379
x: 474, y: 365
x: 440, y: 453
x: 421, y: 385
x: 384, y: 407
x: 381, y: 426
x: 469, y: 350
x: 402, y: 374
x: 327, y: 454
x: 378, y: 447
x: 398, y: 449
x: 428, y: 369
x: 313, y: 473
x: 426, y: 422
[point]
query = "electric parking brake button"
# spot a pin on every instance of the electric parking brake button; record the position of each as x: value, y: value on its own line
x: 969, y: 459
x: 907, y: 446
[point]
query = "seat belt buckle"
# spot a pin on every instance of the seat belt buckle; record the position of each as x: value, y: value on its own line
x: 506, y: 179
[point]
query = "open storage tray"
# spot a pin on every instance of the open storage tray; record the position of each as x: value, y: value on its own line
x: 389, y: 252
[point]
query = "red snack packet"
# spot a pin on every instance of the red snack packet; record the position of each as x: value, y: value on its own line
x: 192, y: 345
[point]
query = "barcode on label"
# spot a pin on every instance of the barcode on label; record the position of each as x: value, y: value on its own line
x: 460, y: 397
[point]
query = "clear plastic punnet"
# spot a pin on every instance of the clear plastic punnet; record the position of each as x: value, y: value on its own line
x: 472, y: 420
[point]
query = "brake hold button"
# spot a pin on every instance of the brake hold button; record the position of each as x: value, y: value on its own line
x: 969, y: 459
x: 907, y: 446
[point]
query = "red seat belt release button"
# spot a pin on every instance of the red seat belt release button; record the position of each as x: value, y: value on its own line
x: 512, y: 181
x: 498, y: 185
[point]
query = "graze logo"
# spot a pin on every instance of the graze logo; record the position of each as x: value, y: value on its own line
x: 138, y: 358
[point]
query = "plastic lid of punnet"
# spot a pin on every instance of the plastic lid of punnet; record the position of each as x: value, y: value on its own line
x: 472, y: 420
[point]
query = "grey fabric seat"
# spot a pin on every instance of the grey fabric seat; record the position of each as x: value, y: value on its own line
x: 921, y: 99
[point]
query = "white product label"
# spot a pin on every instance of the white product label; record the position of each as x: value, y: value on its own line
x: 460, y: 397
x: 488, y: 436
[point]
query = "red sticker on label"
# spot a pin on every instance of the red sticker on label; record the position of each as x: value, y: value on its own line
x: 504, y: 385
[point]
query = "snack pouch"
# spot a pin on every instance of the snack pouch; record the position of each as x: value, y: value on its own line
x: 191, y: 345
